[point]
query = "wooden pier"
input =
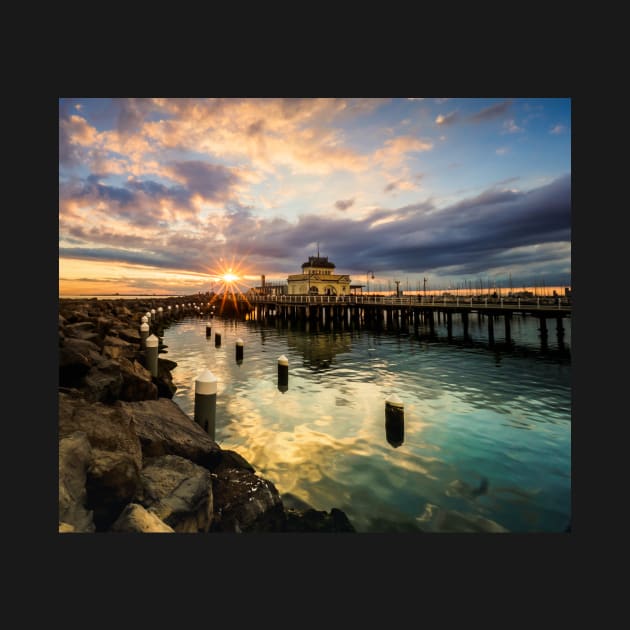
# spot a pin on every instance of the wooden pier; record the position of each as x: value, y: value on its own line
x: 407, y: 312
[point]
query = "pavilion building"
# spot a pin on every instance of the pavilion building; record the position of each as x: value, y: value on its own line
x: 318, y: 277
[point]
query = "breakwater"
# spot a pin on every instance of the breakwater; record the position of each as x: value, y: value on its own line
x: 130, y: 460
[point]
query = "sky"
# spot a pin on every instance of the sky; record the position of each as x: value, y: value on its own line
x: 166, y: 196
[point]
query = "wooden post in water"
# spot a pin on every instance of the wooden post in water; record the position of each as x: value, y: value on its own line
x: 283, y: 373
x: 206, y: 401
x: 465, y: 324
x: 394, y: 421
x: 560, y: 333
x: 152, y: 343
x: 490, y: 330
x: 508, y: 317
x: 449, y: 325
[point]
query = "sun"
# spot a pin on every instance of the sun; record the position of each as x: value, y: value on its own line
x: 230, y: 277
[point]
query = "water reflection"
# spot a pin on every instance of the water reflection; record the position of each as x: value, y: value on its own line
x: 322, y: 439
x: 395, y: 430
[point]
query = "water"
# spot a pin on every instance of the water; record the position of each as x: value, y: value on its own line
x: 487, y: 431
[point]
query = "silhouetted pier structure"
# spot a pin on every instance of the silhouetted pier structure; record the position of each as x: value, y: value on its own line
x: 406, y: 312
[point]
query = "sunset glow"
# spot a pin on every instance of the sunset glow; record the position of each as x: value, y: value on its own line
x: 460, y: 191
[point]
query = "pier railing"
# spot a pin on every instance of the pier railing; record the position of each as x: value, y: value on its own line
x: 538, y: 303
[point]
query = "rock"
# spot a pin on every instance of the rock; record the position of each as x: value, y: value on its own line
x: 75, y: 330
x: 318, y: 521
x: 75, y: 455
x: 103, y: 383
x: 137, y: 382
x: 114, y: 348
x: 122, y: 311
x: 178, y: 492
x: 76, y: 357
x: 136, y: 520
x: 453, y: 521
x: 114, y: 472
x: 130, y: 335
x: 231, y: 459
x: 245, y: 502
x: 65, y: 528
x: 164, y: 429
x: 166, y: 364
x: 164, y: 381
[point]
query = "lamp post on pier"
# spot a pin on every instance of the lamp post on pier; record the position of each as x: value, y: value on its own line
x: 367, y: 280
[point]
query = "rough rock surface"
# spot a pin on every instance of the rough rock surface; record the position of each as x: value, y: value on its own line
x: 75, y: 456
x: 143, y: 448
x: 135, y: 519
x: 114, y: 471
x: 246, y: 502
x: 178, y: 492
x: 164, y: 429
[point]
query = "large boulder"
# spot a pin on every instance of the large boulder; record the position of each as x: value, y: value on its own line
x: 114, y: 471
x: 164, y: 429
x: 76, y: 357
x: 130, y: 335
x: 75, y: 456
x: 103, y: 382
x: 244, y: 502
x: 134, y: 519
x: 137, y: 382
x: 164, y: 380
x: 115, y: 347
x: 178, y: 492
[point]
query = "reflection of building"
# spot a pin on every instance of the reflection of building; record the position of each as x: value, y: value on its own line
x: 319, y: 350
x: 317, y: 278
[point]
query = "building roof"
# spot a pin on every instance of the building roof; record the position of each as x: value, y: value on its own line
x: 318, y: 261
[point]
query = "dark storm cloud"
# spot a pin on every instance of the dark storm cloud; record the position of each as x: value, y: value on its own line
x: 489, y: 113
x: 494, y: 229
x: 344, y: 204
x: 153, y: 259
x: 211, y: 181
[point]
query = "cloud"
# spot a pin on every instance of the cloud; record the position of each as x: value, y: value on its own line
x: 490, y: 113
x: 502, y: 150
x: 557, y: 129
x: 344, y: 204
x: 394, y: 151
x: 447, y: 119
x: 212, y: 181
x: 132, y: 114
x: 495, y: 229
x: 509, y: 126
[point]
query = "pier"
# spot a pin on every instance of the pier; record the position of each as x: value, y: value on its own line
x: 407, y: 312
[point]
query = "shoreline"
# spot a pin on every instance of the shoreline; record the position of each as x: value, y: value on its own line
x: 130, y: 460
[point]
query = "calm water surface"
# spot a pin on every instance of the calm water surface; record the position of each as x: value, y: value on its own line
x: 486, y: 444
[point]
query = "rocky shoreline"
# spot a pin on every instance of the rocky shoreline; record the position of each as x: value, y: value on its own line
x: 130, y: 460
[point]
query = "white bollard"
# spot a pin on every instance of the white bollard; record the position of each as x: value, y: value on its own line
x: 206, y: 401
x: 152, y: 343
x: 394, y: 420
x: 239, y: 350
x: 144, y: 319
x: 283, y: 373
x: 160, y: 312
x: 144, y: 333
